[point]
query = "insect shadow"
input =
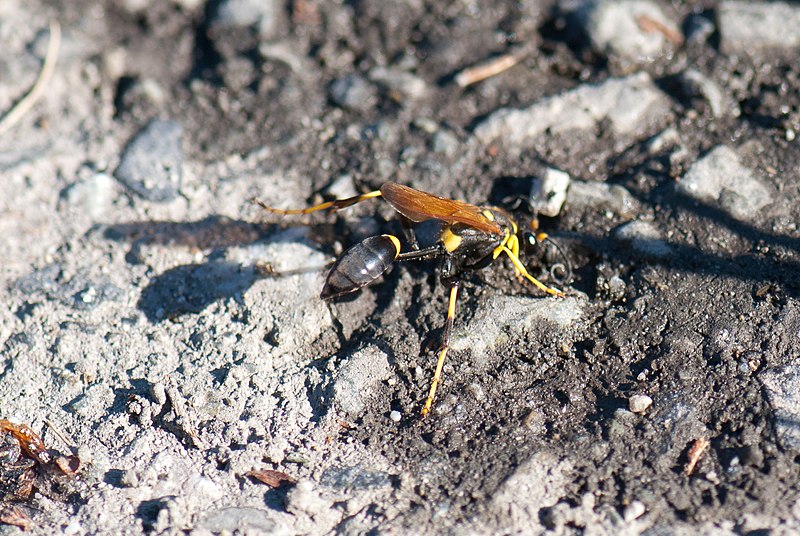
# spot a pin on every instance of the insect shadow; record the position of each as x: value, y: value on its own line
x: 190, y: 288
x: 193, y: 287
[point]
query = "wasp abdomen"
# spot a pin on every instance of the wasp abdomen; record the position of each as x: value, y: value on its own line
x: 360, y: 265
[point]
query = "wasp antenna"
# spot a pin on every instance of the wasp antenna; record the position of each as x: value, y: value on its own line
x: 566, y: 264
x: 328, y: 205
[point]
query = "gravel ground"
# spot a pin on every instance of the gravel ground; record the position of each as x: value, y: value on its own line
x: 205, y: 395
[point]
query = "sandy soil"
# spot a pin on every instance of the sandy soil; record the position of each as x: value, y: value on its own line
x: 141, y: 330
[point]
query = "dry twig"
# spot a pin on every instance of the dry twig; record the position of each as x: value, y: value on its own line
x: 696, y: 451
x: 489, y: 68
x: 26, y: 103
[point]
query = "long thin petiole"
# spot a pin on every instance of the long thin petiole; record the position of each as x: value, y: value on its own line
x: 420, y: 254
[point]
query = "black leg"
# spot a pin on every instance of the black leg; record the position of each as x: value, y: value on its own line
x: 408, y: 232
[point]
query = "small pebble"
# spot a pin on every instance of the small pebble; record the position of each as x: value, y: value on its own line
x: 426, y: 125
x: 666, y: 139
x: 400, y: 85
x: 782, y: 387
x: 354, y: 93
x: 748, y: 27
x: 614, y: 288
x: 267, y: 16
x: 636, y: 30
x: 633, y: 511
x: 151, y: 163
x: 548, y: 193
x: 444, y: 142
x: 342, y: 187
x: 644, y: 237
x: 358, y: 378
x: 73, y: 527
x: 601, y: 196
x: 92, y: 195
x: 720, y: 177
x: 721, y: 103
x: 639, y: 403
x: 395, y: 415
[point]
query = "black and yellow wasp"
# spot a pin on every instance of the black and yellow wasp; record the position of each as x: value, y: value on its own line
x: 471, y: 237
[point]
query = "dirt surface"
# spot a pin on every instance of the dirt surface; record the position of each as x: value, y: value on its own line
x: 143, y: 330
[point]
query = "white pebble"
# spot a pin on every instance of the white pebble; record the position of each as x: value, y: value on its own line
x: 633, y: 511
x: 639, y: 403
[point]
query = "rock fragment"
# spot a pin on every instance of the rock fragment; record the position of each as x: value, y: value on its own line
x: 601, y: 196
x: 151, y: 163
x: 634, y: 30
x: 534, y: 485
x: 91, y: 195
x: 747, y: 27
x: 627, y: 104
x: 644, y: 237
x: 242, y: 520
x: 719, y: 177
x: 696, y: 84
x: 355, y: 477
x: 400, y: 85
x: 267, y: 16
x: 639, y: 403
x: 489, y: 328
x: 354, y: 93
x: 633, y: 511
x: 549, y: 192
x: 782, y: 385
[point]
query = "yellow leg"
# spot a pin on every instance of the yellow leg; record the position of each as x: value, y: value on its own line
x: 519, y: 266
x: 499, y: 249
x: 451, y: 313
x: 332, y: 205
x: 513, y: 245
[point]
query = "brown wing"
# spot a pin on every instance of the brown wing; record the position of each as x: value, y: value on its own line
x: 420, y: 206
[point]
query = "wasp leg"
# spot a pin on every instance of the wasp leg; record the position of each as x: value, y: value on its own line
x: 421, y: 254
x: 448, y: 327
x: 510, y: 242
x: 408, y: 232
x: 513, y: 245
x: 519, y: 266
x: 328, y: 205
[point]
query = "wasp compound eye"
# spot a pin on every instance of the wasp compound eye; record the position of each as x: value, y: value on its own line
x: 530, y: 242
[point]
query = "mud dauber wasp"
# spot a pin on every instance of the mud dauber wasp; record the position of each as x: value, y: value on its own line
x: 471, y: 237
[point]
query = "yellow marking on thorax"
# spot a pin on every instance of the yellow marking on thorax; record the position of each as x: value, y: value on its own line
x: 489, y: 215
x: 450, y: 240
